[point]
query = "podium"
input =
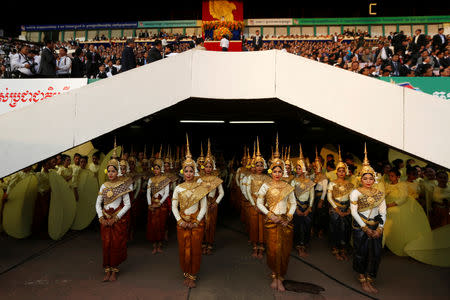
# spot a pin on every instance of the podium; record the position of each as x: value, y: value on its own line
x: 235, y: 46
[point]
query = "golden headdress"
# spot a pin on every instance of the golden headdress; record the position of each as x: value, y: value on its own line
x: 366, y: 168
x: 317, y: 163
x: 209, y: 159
x: 301, y: 161
x: 201, y: 158
x: 253, y: 162
x: 153, y: 152
x: 244, y: 157
x: 145, y: 160
x: 287, y: 160
x: 340, y: 163
x: 259, y: 157
x: 113, y: 161
x: 158, y: 161
x: 188, y: 162
x: 277, y: 161
x: 249, y: 159
x: 167, y: 157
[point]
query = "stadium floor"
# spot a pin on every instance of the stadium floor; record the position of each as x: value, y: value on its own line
x: 71, y: 269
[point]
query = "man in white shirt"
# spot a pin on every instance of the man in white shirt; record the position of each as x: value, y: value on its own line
x: 224, y: 43
x: 21, y: 64
x: 63, y: 64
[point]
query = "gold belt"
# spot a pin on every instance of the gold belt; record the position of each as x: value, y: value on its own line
x: 110, y: 216
x: 339, y: 203
x: 367, y: 221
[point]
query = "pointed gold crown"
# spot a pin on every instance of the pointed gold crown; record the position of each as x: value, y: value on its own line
x: 340, y: 163
x: 317, y: 163
x: 113, y: 161
x: 188, y: 162
x: 153, y: 152
x: 287, y: 161
x: 158, y: 161
x: 167, y: 158
x: 258, y: 157
x: 253, y: 162
x: 201, y: 158
x: 301, y: 161
x: 244, y: 157
x: 209, y: 159
x: 276, y: 161
x: 366, y: 168
x: 145, y: 159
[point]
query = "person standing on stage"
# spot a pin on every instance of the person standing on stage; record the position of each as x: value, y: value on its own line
x: 224, y: 43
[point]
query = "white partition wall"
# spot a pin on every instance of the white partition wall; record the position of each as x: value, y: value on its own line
x: 412, y: 121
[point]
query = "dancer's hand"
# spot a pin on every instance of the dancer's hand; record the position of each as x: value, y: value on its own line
x: 307, y: 212
x: 299, y: 212
x: 320, y: 204
x: 275, y: 218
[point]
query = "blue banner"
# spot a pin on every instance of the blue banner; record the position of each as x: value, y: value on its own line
x: 84, y: 26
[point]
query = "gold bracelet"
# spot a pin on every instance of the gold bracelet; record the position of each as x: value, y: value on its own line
x: 365, y: 229
x: 380, y: 229
x: 180, y: 221
x: 289, y: 216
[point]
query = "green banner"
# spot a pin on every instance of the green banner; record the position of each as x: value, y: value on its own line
x: 167, y: 24
x: 436, y: 86
x: 371, y: 21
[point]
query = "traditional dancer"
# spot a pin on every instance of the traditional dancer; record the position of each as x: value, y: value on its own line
x: 157, y: 194
x: 214, y: 184
x: 320, y: 217
x: 340, y: 220
x: 112, y: 205
x: 255, y: 217
x: 304, y: 194
x: 189, y: 206
x: 368, y: 209
x: 276, y: 200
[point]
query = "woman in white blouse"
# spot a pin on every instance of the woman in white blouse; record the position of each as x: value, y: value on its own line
x: 157, y: 193
x: 189, y: 206
x: 113, y: 202
x: 368, y: 209
x: 277, y: 202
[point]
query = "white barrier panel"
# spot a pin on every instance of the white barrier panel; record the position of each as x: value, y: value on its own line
x: 233, y: 75
x: 357, y: 102
x: 427, y: 124
x: 18, y: 93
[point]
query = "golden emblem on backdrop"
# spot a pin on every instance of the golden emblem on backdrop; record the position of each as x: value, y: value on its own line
x: 222, y: 10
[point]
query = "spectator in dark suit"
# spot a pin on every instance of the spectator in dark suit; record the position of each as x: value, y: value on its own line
x: 110, y: 69
x: 397, y: 41
x: 257, y: 41
x: 128, y: 58
x: 77, y: 65
x: 102, y: 72
x: 47, y: 67
x: 92, y: 62
x: 419, y: 42
x: 155, y: 52
x: 440, y: 40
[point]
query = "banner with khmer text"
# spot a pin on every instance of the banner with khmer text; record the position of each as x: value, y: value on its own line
x: 17, y: 93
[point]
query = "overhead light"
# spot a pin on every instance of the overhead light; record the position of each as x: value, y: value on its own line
x: 252, y: 122
x: 202, y: 121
